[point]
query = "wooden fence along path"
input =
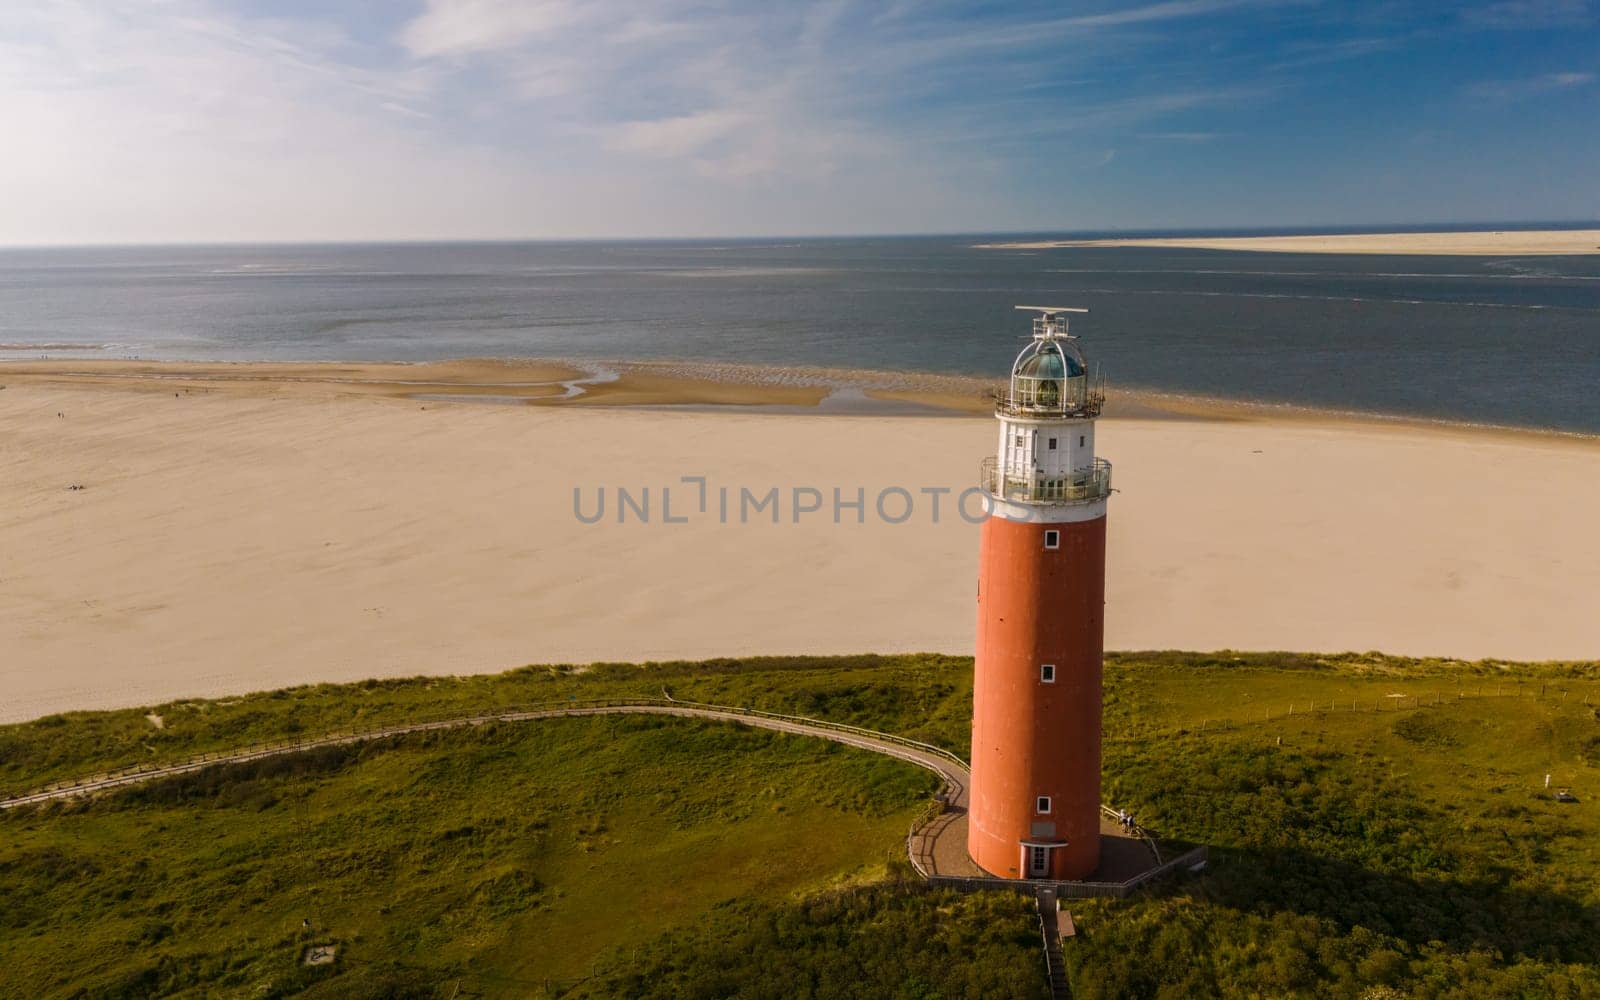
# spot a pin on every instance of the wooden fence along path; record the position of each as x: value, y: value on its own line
x: 1055, y: 963
x: 956, y: 774
x: 923, y: 839
x: 952, y: 768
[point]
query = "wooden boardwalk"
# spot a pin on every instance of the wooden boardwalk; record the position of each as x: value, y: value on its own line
x: 945, y: 844
x: 936, y: 843
x: 1050, y: 929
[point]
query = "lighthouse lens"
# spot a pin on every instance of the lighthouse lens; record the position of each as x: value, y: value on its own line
x: 1047, y: 362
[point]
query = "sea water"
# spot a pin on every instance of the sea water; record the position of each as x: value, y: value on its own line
x: 1505, y: 340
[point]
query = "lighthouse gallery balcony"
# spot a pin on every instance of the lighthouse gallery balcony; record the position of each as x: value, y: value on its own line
x: 1080, y: 486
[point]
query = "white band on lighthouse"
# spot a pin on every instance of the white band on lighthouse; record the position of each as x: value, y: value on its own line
x: 1044, y: 470
x: 1047, y: 513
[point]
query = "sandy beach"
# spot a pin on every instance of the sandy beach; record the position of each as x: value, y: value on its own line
x: 273, y: 528
x: 1482, y: 244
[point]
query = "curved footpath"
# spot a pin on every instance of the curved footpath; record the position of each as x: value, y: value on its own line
x: 936, y: 843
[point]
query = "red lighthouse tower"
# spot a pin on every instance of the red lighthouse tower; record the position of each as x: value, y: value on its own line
x: 1035, y: 803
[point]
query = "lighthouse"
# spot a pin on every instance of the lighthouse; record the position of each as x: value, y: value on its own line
x: 1035, y: 796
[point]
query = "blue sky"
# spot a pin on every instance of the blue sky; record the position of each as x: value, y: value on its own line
x: 176, y: 120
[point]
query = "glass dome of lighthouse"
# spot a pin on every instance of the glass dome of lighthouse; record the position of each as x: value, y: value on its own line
x: 1050, y: 375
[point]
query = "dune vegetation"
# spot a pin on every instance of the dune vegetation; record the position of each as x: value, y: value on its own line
x: 1380, y: 826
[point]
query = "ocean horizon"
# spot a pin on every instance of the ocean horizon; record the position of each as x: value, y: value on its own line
x: 1500, y: 340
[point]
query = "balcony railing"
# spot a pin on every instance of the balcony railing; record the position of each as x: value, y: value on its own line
x: 1079, y: 486
x: 1071, y: 397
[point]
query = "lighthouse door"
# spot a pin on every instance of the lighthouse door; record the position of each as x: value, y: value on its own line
x: 1038, y: 861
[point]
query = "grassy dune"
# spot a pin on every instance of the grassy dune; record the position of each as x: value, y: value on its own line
x: 1394, y: 837
x: 1362, y: 849
x: 866, y: 689
x: 505, y: 855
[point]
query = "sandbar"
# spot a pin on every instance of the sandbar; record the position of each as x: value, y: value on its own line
x: 1508, y: 243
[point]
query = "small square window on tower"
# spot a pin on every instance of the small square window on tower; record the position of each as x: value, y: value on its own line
x: 1042, y: 805
x: 1081, y: 439
x: 1047, y: 673
x: 1052, y: 444
x: 1052, y: 539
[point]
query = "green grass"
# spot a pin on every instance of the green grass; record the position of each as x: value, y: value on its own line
x: 1357, y: 849
x: 925, y: 696
x: 891, y: 940
x: 504, y: 855
x: 1360, y: 847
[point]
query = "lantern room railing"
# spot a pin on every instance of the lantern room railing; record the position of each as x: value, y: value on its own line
x: 1078, y: 396
x: 1079, y: 486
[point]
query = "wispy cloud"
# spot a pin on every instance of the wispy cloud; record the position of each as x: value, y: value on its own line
x: 1020, y: 34
x: 803, y: 91
x: 463, y: 27
x: 1005, y: 126
x: 549, y: 117
x: 1318, y: 53
x: 1531, y: 14
x: 1517, y: 90
x: 682, y: 135
x: 1184, y: 136
x: 1169, y: 11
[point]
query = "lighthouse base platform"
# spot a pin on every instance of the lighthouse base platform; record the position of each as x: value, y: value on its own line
x: 937, y: 845
x: 1122, y: 855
